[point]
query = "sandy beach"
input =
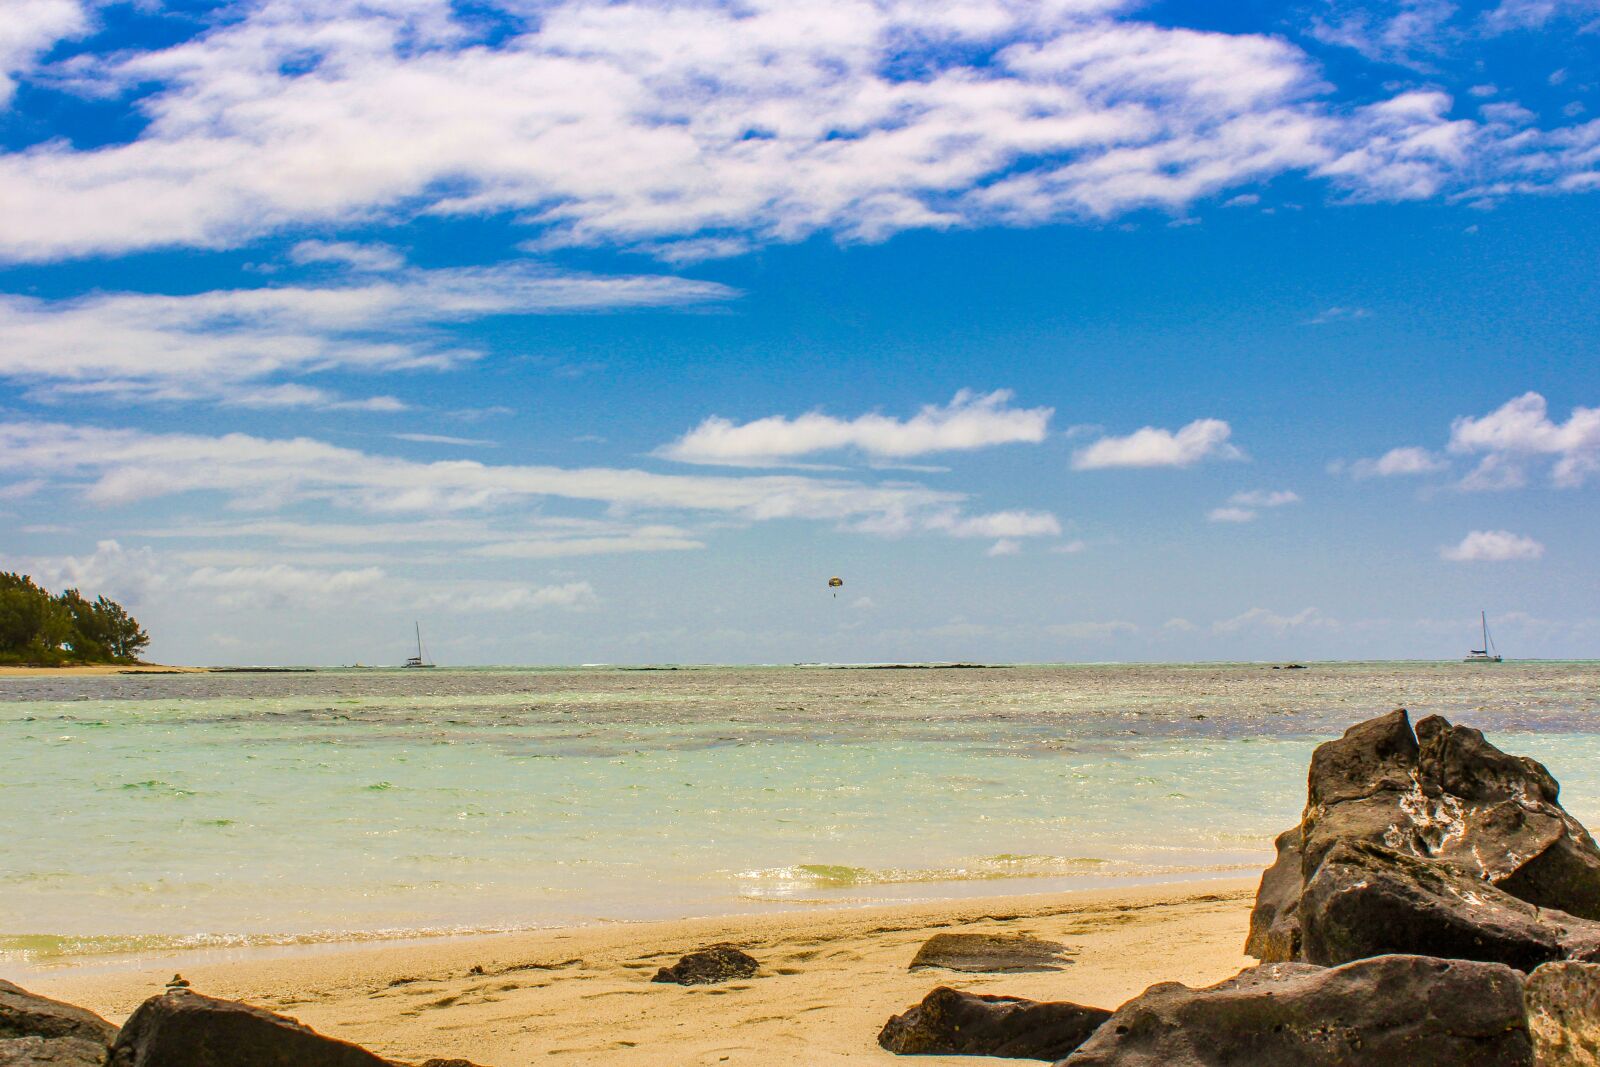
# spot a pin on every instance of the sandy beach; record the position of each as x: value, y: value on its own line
x: 828, y: 981
x: 92, y: 670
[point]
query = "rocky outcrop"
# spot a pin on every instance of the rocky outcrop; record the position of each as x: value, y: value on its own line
x: 990, y: 953
x: 1443, y: 796
x: 952, y: 1023
x: 718, y: 963
x: 188, y: 1029
x: 38, y: 1032
x: 1383, y: 1012
x: 1366, y: 900
x: 1563, y: 1005
x: 1275, y: 919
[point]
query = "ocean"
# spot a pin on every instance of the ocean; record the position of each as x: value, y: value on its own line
x: 154, y: 812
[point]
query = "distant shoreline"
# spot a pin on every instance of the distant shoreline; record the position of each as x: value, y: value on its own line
x: 91, y: 669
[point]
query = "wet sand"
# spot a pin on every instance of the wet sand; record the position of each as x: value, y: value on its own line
x: 828, y: 981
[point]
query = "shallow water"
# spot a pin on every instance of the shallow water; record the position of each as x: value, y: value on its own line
x: 156, y: 811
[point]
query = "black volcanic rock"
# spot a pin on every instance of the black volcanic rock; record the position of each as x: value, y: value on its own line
x: 1391, y: 1011
x: 990, y: 953
x: 718, y: 963
x: 38, y: 1032
x: 953, y: 1023
x: 188, y: 1029
x: 1366, y: 900
x: 1441, y: 795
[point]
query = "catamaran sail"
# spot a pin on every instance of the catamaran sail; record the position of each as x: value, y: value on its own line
x: 418, y: 660
x: 1488, y: 653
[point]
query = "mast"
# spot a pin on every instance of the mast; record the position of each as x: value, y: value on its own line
x: 1483, y: 617
x: 418, y: 625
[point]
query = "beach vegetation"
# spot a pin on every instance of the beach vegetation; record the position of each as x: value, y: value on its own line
x: 41, y: 628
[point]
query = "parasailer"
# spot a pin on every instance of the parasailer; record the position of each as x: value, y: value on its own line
x: 835, y: 584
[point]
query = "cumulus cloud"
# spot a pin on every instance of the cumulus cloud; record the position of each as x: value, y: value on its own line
x: 1521, y: 430
x: 1492, y: 546
x: 1230, y: 514
x: 1153, y: 447
x: 1003, y: 547
x: 695, y: 130
x: 223, y: 344
x: 970, y: 421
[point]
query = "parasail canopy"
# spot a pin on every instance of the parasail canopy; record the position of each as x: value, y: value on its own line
x: 834, y: 583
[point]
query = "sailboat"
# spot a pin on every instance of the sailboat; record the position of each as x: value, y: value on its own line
x: 417, y: 660
x: 1488, y: 653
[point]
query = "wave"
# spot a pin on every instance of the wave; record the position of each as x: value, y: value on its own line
x: 44, y: 948
x: 783, y: 881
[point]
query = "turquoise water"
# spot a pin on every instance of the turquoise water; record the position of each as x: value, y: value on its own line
x: 222, y: 809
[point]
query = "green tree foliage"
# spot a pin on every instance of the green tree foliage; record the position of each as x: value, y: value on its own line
x: 40, y: 628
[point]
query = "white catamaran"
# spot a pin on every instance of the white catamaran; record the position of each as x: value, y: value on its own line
x: 1488, y: 653
x: 418, y: 660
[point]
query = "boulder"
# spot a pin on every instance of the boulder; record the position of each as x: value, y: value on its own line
x: 187, y: 1029
x: 1275, y: 920
x: 1563, y: 1004
x: 1366, y: 900
x: 36, y: 1031
x: 990, y: 953
x: 1440, y: 794
x: 1383, y: 1012
x: 718, y: 963
x: 952, y: 1023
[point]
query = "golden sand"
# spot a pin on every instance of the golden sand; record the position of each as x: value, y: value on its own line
x: 828, y: 981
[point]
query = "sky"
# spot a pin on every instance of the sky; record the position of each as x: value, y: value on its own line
x: 582, y: 332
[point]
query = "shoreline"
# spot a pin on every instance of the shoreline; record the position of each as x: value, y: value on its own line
x: 829, y: 980
x: 85, y: 670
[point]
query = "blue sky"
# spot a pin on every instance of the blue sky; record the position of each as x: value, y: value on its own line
x: 582, y: 332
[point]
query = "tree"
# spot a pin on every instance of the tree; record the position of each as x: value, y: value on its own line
x: 37, y: 627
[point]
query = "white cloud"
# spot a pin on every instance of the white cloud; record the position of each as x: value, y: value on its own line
x: 1001, y: 524
x: 364, y: 257
x: 695, y: 130
x: 30, y: 28
x: 1492, y: 546
x: 280, y: 584
x: 1228, y: 514
x: 1521, y: 429
x: 1179, y: 625
x: 223, y: 344
x: 124, y: 466
x: 1152, y: 447
x: 1070, y: 548
x: 970, y: 421
x: 1003, y: 547
x: 141, y: 576
x: 1398, y: 462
